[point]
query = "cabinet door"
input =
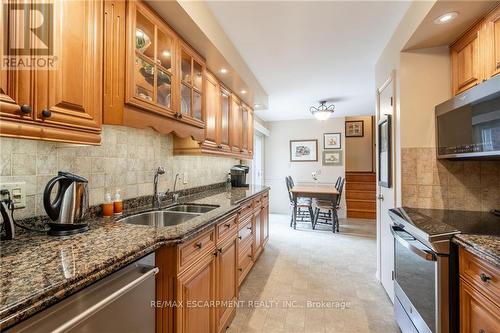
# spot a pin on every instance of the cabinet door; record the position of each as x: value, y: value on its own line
x: 244, y: 129
x: 227, y: 281
x: 250, y: 132
x: 492, y: 43
x: 465, y: 53
x: 258, y: 233
x: 225, y: 107
x: 235, y: 128
x: 211, y: 111
x: 477, y: 313
x: 195, y: 287
x: 192, y: 74
x: 151, y: 61
x: 15, y: 85
x: 264, y: 218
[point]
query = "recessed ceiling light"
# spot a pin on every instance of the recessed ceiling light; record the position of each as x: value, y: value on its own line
x: 166, y: 53
x: 223, y: 70
x: 256, y: 105
x: 445, y: 18
x: 243, y: 92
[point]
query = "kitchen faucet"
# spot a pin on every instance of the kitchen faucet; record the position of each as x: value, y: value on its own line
x: 176, y: 195
x: 156, y: 195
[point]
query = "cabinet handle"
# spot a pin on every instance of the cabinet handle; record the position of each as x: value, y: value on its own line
x: 215, y: 253
x: 239, y: 237
x: 227, y: 225
x: 484, y: 277
x: 482, y: 331
x: 498, y: 64
x: 249, y: 256
x: 198, y: 245
x: 219, y: 250
x: 219, y: 146
x: 46, y: 113
x: 240, y: 269
x: 249, y: 228
x: 26, y: 109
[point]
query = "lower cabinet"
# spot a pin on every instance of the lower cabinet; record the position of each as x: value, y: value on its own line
x: 264, y: 220
x: 258, y: 233
x: 198, y: 283
x: 479, y: 296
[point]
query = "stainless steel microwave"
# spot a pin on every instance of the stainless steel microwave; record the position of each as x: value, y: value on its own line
x: 468, y: 125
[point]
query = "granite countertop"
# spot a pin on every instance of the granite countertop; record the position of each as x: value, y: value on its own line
x: 38, y: 270
x: 484, y: 246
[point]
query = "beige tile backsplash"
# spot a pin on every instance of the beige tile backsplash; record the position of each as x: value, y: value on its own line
x: 126, y: 160
x: 446, y: 184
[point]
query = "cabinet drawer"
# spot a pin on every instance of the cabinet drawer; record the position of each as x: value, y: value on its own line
x: 193, y: 250
x: 245, y: 263
x: 480, y: 274
x: 477, y: 313
x: 246, y: 209
x: 227, y: 228
x: 265, y: 199
x: 245, y: 231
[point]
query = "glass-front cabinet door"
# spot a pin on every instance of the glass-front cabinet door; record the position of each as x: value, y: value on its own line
x: 151, y: 61
x: 192, y: 72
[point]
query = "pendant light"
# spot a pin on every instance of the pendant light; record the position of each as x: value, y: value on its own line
x: 322, y: 112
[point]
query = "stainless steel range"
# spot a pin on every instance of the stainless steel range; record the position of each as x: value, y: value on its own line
x: 426, y: 265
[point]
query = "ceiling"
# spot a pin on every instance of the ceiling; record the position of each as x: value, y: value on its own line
x: 303, y: 52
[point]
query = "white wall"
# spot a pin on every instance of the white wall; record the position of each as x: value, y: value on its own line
x: 360, y: 152
x: 277, y: 158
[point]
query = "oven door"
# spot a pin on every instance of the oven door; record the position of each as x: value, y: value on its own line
x: 416, y: 274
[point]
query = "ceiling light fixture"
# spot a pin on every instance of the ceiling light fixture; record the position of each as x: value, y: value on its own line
x: 446, y: 18
x: 243, y: 92
x: 323, y: 112
x: 223, y: 70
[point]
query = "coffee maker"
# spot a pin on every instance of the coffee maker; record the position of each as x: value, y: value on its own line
x: 69, y: 208
x: 239, y: 175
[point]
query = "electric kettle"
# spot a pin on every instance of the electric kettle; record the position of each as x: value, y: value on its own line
x: 69, y: 207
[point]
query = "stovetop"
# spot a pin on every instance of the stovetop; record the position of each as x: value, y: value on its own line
x: 439, y: 222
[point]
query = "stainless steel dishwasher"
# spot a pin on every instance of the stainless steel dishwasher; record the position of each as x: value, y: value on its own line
x: 121, y: 302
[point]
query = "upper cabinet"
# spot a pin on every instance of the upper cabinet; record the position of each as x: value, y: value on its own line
x: 61, y: 102
x: 492, y: 32
x: 475, y: 57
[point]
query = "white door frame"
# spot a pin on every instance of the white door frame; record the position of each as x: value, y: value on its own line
x: 392, y: 199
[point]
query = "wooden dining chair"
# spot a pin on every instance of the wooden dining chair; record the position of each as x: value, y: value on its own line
x: 326, y: 212
x: 304, y: 205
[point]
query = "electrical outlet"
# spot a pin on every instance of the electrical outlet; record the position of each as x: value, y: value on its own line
x: 17, y: 193
x: 185, y: 178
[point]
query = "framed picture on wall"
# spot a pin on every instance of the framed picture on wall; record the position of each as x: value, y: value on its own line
x: 303, y: 150
x: 332, y: 158
x: 332, y: 141
x: 384, y: 152
x: 354, y: 128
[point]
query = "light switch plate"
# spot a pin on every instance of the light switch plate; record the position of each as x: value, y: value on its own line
x: 17, y: 193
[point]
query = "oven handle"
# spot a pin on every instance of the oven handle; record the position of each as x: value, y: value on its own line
x: 426, y: 255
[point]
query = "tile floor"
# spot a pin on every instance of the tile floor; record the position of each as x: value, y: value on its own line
x: 304, y: 265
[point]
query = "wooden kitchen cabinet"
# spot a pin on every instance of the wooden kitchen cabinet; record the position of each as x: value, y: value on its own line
x: 257, y: 225
x: 227, y: 282
x: 196, y: 288
x: 63, y: 103
x: 479, y: 294
x: 264, y: 219
x: 475, y: 57
x: 492, y: 46
x: 235, y: 127
x: 151, y: 65
x: 466, y: 61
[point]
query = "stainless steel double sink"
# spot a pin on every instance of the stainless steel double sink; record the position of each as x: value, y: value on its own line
x: 173, y: 215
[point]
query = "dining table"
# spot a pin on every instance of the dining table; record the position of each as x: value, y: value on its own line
x: 320, y: 192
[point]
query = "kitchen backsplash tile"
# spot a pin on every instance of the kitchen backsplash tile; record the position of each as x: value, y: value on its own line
x: 126, y: 160
x: 446, y: 184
